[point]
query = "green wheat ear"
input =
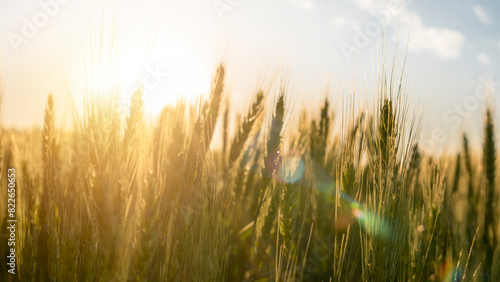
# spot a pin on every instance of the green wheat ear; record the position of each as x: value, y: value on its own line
x: 319, y: 135
x: 468, y: 168
x: 489, y: 162
x: 387, y: 130
x: 489, y: 150
x: 471, y: 214
x: 237, y: 154
x: 415, y: 164
x: 268, y: 188
x: 456, y: 177
x: 288, y: 220
x: 273, y: 149
x: 273, y: 143
x: 274, y: 140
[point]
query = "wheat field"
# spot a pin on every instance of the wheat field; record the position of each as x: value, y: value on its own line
x: 126, y: 197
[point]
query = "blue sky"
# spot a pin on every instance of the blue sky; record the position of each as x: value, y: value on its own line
x: 320, y: 44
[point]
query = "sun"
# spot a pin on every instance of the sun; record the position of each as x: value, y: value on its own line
x: 165, y: 77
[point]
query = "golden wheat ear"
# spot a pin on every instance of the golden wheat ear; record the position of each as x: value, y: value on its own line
x: 244, y: 130
x: 212, y: 112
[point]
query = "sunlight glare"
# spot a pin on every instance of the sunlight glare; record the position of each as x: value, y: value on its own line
x: 166, y: 78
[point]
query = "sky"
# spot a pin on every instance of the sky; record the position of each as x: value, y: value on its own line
x: 321, y: 47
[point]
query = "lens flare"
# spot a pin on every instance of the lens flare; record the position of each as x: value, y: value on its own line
x: 448, y: 272
x: 286, y: 168
x: 292, y: 169
x: 371, y: 223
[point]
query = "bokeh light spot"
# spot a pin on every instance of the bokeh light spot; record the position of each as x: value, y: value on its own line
x: 292, y: 169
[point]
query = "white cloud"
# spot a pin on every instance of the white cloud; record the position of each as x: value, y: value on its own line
x: 356, y: 25
x: 481, y: 15
x: 340, y: 21
x: 483, y: 59
x: 443, y: 42
x: 344, y: 22
x: 374, y: 5
x: 308, y: 5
